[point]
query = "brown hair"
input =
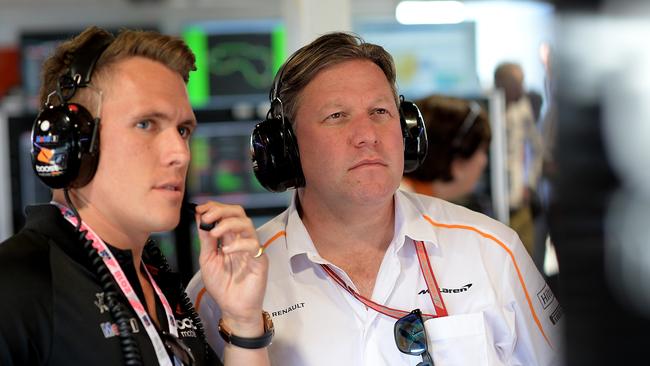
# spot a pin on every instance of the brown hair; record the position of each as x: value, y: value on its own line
x: 170, y: 51
x: 325, y: 51
x: 444, y: 117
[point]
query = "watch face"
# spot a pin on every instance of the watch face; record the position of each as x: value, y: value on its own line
x: 225, y: 334
x: 268, y: 322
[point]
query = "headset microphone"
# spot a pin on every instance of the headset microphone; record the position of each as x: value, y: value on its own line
x: 190, y: 207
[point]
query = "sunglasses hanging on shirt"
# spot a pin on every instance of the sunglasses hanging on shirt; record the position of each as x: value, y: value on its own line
x: 411, y: 337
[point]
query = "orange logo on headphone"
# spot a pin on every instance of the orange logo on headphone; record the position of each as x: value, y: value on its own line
x: 45, y: 155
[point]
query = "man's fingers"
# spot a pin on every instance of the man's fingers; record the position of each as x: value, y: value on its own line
x: 248, y: 245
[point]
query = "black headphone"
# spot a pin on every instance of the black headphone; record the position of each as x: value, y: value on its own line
x: 274, y: 149
x: 65, y: 138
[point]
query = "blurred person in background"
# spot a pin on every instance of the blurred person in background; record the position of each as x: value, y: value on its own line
x: 524, y: 151
x: 459, y: 135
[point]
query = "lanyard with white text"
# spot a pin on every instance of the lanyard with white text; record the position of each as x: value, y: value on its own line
x: 429, y: 278
x: 120, y: 278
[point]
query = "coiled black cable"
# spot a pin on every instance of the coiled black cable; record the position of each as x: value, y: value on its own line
x: 158, y: 259
x: 119, y: 312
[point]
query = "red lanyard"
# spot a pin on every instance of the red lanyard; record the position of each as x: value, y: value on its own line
x: 429, y: 278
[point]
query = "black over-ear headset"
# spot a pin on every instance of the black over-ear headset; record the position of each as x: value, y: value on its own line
x: 65, y: 137
x: 274, y: 149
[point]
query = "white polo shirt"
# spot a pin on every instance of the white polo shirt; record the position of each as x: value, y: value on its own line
x: 501, y: 312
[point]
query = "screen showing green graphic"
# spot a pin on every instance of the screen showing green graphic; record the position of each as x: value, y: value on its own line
x: 240, y: 63
x: 221, y: 167
x: 236, y: 61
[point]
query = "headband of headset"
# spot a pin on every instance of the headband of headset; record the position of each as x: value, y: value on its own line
x: 82, y: 65
x: 468, y: 123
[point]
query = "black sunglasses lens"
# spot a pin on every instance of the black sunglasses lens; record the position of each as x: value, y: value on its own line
x: 410, y: 336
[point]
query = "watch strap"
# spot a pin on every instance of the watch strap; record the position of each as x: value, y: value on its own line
x: 249, y: 343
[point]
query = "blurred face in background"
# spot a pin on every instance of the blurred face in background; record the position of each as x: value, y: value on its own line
x: 467, y: 172
x: 513, y: 84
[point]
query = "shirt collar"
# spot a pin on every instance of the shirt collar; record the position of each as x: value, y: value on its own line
x: 410, y: 223
x: 299, y: 243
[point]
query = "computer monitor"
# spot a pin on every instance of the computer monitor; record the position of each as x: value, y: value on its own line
x: 26, y: 188
x: 432, y: 58
x: 35, y: 47
x: 221, y: 167
x: 236, y: 61
x: 221, y: 170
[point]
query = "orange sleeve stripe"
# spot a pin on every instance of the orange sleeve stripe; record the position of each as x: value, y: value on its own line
x: 199, y: 296
x: 514, y: 262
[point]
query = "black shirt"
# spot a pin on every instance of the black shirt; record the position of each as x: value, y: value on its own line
x: 52, y: 308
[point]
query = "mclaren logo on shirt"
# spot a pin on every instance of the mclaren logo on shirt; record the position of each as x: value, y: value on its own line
x: 448, y: 290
